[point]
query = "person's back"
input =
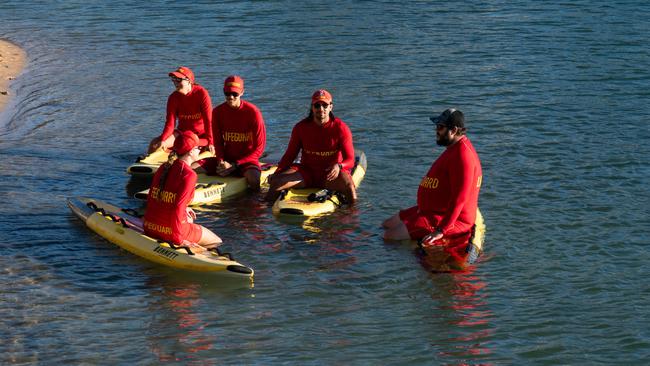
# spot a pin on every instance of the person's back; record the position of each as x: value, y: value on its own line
x: 168, y: 216
x: 165, y: 216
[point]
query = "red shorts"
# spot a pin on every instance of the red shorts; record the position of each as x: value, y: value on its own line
x: 449, y: 252
x: 210, y: 166
x: 418, y: 225
x: 192, y: 232
x: 313, y: 178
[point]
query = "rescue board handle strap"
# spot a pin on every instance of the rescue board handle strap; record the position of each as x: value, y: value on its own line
x: 176, y: 247
x: 219, y: 252
x: 132, y: 212
x: 111, y: 217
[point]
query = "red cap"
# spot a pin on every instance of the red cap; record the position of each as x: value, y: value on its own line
x: 183, y: 73
x: 187, y: 141
x: 233, y: 83
x: 321, y: 95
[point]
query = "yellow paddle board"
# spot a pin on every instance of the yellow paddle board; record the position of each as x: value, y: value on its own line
x: 123, y: 229
x: 307, y: 202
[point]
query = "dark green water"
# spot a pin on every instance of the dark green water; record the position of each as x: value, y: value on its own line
x: 556, y: 98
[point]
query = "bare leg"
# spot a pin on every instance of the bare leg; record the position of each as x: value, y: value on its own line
x: 344, y: 184
x: 253, y: 178
x: 209, y: 239
x: 285, y: 180
x: 166, y: 145
x: 395, y: 229
x: 391, y: 221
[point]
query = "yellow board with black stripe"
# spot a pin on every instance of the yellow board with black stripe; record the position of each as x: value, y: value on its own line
x: 125, y: 230
x: 296, y: 202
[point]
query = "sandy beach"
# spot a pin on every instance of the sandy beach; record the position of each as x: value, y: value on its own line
x: 12, y: 62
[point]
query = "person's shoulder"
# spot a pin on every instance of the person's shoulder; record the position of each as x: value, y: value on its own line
x: 305, y: 122
x: 198, y: 91
x: 465, y: 144
x: 340, y: 124
x: 175, y: 95
x: 249, y: 105
x: 185, y: 169
x: 221, y: 107
x: 198, y: 88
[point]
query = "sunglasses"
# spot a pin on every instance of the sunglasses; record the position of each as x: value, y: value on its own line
x: 177, y: 80
x: 231, y: 94
x: 320, y: 105
x: 440, y: 126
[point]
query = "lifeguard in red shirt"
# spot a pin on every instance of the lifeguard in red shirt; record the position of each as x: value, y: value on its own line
x: 327, y: 153
x: 167, y: 216
x: 447, y: 197
x: 239, y: 135
x: 190, y: 104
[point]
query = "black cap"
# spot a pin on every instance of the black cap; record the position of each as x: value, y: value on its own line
x: 451, y: 118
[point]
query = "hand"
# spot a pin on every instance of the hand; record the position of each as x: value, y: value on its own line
x: 333, y: 172
x: 430, y: 239
x: 191, y: 215
x: 211, y: 149
x: 225, y: 168
x: 154, y: 145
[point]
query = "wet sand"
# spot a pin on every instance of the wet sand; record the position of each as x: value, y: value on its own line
x: 12, y: 62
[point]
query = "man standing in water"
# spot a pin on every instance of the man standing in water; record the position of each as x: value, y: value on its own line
x: 327, y: 153
x: 447, y: 197
x: 239, y: 135
x: 189, y: 103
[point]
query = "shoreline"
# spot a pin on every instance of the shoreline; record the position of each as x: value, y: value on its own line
x: 12, y: 63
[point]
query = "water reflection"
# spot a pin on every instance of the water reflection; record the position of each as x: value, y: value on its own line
x: 462, y: 297
x: 181, y: 329
x: 137, y: 184
x: 329, y: 240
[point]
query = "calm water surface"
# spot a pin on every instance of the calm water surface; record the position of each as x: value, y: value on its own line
x: 556, y: 98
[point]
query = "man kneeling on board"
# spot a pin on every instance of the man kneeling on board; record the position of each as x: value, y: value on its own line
x: 167, y: 216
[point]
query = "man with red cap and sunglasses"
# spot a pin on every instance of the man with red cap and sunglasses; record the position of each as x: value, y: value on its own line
x: 239, y: 135
x: 447, y: 198
x: 190, y: 104
x: 327, y: 156
x: 168, y: 216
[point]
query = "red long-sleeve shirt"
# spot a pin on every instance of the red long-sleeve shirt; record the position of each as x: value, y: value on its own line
x: 239, y: 134
x: 449, y: 192
x: 166, y: 214
x: 193, y: 111
x: 322, y: 146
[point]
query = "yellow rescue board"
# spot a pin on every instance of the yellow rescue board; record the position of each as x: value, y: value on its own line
x: 104, y: 219
x: 147, y: 165
x: 215, y: 189
x: 296, y: 202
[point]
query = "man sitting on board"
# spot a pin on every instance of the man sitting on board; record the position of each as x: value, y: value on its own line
x: 239, y: 136
x: 190, y: 104
x: 327, y: 153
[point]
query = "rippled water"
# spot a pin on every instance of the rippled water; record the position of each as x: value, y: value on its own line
x: 556, y: 97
